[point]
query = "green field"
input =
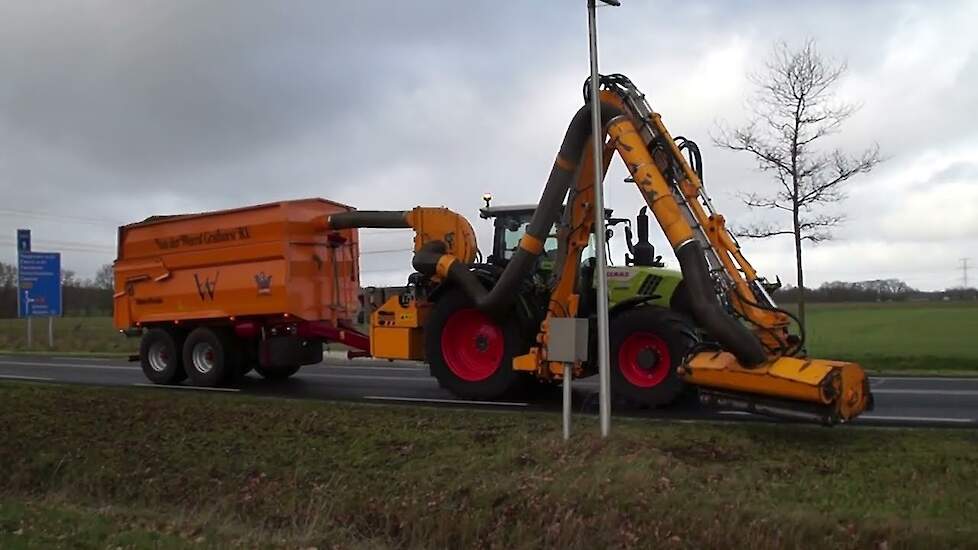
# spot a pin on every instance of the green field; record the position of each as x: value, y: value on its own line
x: 106, y: 468
x: 905, y: 337
x: 897, y: 336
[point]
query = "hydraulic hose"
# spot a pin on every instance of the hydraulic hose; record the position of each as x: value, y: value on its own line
x: 499, y: 299
x: 706, y: 309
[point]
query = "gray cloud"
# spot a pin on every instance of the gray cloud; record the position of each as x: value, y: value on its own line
x: 116, y: 111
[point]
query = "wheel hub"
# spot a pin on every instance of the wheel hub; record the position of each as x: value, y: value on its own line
x: 647, y: 358
x: 472, y: 345
x: 203, y: 357
x: 481, y: 343
x: 644, y: 360
x: 159, y: 357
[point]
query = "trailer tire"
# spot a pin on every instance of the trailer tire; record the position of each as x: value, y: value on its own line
x: 470, y: 354
x: 276, y: 373
x: 210, y: 357
x: 160, y: 356
x: 249, y: 356
x: 647, y: 345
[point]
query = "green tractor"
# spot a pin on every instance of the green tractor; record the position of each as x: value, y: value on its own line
x: 643, y: 375
x: 643, y: 276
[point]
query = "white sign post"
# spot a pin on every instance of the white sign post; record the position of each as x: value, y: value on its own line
x: 30, y: 329
x: 568, y: 345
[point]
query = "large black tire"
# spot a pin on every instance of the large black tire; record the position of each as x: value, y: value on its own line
x: 160, y: 356
x: 249, y: 356
x: 470, y: 354
x: 276, y: 373
x: 210, y: 357
x: 647, y: 344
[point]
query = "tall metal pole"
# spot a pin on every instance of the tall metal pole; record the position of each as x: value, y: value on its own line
x: 597, y: 140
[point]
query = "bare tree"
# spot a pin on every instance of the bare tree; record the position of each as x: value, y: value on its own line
x: 8, y: 275
x: 794, y: 106
x: 68, y: 278
x: 8, y: 290
x: 104, y: 278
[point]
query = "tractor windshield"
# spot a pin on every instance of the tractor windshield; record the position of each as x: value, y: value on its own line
x: 512, y: 237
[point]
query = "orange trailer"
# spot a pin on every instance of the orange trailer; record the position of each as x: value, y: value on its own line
x: 218, y: 293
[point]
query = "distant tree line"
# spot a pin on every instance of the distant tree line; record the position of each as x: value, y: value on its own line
x: 93, y: 297
x: 80, y: 297
x: 879, y: 290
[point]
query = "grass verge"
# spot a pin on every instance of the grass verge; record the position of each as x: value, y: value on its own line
x: 155, y: 469
x: 72, y: 336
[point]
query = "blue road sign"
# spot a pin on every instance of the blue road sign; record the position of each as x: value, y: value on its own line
x: 23, y: 240
x: 39, y: 288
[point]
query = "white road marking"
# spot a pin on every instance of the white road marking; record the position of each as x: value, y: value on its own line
x: 453, y: 401
x: 925, y: 392
x: 166, y: 386
x: 736, y: 413
x: 419, y: 370
x: 65, y: 365
x: 358, y: 367
x: 16, y: 377
x: 367, y: 377
x: 915, y: 418
x: 90, y: 359
x: 927, y: 378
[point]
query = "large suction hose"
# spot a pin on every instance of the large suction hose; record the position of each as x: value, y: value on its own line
x: 706, y: 309
x: 499, y: 299
x: 433, y: 258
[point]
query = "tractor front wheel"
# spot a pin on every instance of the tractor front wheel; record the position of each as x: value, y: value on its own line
x: 647, y: 345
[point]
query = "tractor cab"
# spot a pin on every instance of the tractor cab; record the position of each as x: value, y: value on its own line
x: 509, y: 225
x: 642, y: 275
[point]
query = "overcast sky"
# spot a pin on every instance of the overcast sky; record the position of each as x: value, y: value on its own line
x: 113, y: 111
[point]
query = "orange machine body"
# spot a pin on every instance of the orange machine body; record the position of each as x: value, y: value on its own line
x: 252, y: 262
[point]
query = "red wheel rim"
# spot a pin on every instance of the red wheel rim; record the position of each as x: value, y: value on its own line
x: 644, y: 360
x: 472, y: 345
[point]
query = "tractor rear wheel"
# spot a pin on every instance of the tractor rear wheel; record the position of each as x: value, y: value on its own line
x: 647, y: 344
x: 470, y: 354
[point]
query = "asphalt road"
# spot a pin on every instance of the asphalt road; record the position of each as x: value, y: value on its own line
x: 900, y: 401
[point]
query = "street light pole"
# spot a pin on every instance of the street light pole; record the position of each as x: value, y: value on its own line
x: 597, y: 140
